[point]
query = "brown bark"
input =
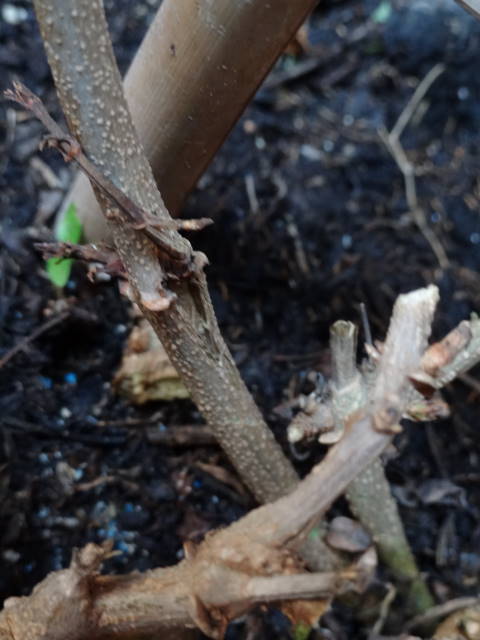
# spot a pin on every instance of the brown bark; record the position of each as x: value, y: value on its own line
x: 251, y: 561
x: 196, y: 70
x: 369, y: 494
x: 90, y: 91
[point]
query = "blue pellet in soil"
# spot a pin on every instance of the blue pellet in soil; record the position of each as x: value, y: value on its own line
x: 120, y: 545
x: 70, y: 378
x: 46, y: 383
x: 135, y: 519
x: 112, y: 529
x: 197, y: 483
x: 43, y: 512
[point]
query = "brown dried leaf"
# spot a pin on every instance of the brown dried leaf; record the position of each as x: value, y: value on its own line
x: 146, y: 374
x: 305, y: 612
x: 461, y: 625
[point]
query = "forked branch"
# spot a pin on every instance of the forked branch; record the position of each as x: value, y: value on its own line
x: 253, y: 560
x: 90, y: 91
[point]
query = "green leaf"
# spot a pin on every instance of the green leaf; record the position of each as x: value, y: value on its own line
x: 70, y: 227
x: 382, y: 13
x: 69, y: 230
x: 314, y: 534
x: 301, y: 631
x: 58, y: 270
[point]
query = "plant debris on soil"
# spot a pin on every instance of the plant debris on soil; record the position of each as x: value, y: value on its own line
x: 311, y: 220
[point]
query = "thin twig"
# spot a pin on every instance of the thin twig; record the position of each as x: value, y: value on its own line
x: 182, y: 436
x: 384, y: 610
x: 440, y: 611
x: 20, y: 346
x: 418, y: 95
x: 70, y: 149
x: 367, y: 332
x: 392, y: 143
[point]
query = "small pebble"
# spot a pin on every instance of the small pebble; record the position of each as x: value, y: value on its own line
x: 120, y: 329
x: 9, y: 555
x: 328, y: 146
x: 310, y: 152
x: 13, y: 15
x: 43, y: 512
x: 347, y: 241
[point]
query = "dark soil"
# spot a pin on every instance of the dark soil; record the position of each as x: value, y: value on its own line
x: 327, y: 228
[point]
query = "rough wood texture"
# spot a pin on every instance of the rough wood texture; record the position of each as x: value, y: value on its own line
x: 194, y: 73
x: 90, y: 91
x: 371, y: 501
x: 252, y: 560
x: 369, y: 494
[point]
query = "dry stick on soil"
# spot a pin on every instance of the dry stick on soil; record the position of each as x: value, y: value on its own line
x: 90, y: 91
x: 23, y: 344
x: 472, y: 6
x: 392, y: 142
x: 441, y: 611
x: 251, y: 560
x: 196, y: 70
x: 195, y: 435
x: 369, y: 495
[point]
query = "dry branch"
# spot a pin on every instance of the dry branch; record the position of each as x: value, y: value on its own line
x: 90, y: 91
x: 441, y: 363
x: 253, y: 560
x: 195, y: 71
x: 369, y: 494
x: 89, y: 87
